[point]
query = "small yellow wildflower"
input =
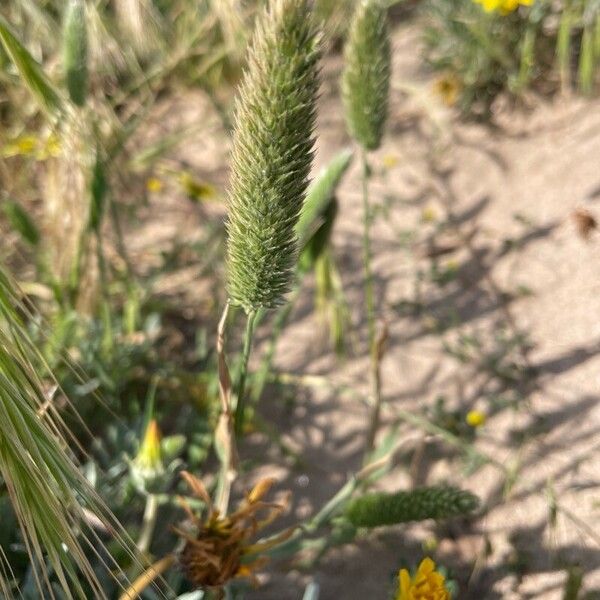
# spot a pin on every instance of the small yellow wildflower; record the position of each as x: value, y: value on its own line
x: 503, y: 6
x: 429, y: 544
x: 21, y: 146
x: 451, y: 266
x: 52, y: 147
x: 447, y: 87
x: 427, y: 584
x: 149, y: 454
x: 475, y: 418
x: 30, y: 145
x: 429, y: 215
x: 147, y: 468
x: 154, y: 185
x: 390, y: 161
x: 196, y: 190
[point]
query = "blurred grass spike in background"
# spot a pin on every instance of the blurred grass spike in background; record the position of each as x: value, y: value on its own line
x: 365, y: 81
x: 75, y: 52
x: 377, y: 509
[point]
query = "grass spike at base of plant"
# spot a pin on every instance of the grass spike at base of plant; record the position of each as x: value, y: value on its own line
x: 377, y: 509
x: 272, y: 155
x: 366, y: 77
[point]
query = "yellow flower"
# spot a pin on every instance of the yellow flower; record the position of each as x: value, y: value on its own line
x: 427, y: 584
x: 475, y: 418
x: 154, y: 185
x: 149, y: 455
x: 503, y: 6
x: 390, y: 161
x: 30, y: 145
x: 448, y: 87
x: 24, y: 145
x: 51, y: 148
x: 429, y: 215
x: 195, y: 189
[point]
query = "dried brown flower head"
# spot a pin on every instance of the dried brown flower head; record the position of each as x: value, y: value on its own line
x: 221, y: 549
x: 584, y: 222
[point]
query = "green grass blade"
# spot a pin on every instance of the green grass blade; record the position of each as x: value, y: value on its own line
x: 586, y: 61
x: 563, y: 48
x: 75, y: 52
x: 320, y: 194
x: 30, y: 71
x: 21, y: 222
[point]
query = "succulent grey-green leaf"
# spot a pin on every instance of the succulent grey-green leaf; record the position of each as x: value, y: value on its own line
x: 75, y: 52
x: 272, y: 154
x: 377, y: 509
x: 366, y: 77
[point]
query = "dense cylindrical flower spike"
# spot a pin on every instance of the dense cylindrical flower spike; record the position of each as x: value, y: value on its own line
x: 366, y: 77
x: 75, y: 52
x: 272, y: 154
x: 374, y: 510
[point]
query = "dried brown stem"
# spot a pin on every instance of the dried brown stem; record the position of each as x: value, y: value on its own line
x: 225, y: 433
x: 147, y: 577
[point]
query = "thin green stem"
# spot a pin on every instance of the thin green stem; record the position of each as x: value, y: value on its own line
x: 277, y: 326
x: 374, y: 353
x: 107, y: 338
x: 367, y: 258
x: 241, y: 384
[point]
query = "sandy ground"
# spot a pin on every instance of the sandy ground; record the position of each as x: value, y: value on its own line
x: 511, y: 193
x: 519, y: 267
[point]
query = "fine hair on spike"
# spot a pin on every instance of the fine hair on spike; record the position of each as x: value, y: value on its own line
x: 366, y: 77
x: 272, y: 154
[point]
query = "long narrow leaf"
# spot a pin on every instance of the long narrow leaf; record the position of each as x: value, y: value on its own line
x: 319, y: 195
x: 30, y: 71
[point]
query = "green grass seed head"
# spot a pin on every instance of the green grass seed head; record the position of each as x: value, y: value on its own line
x: 272, y: 154
x: 366, y: 77
x: 75, y: 52
x: 377, y: 509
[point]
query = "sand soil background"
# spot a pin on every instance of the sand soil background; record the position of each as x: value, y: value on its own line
x: 491, y: 298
